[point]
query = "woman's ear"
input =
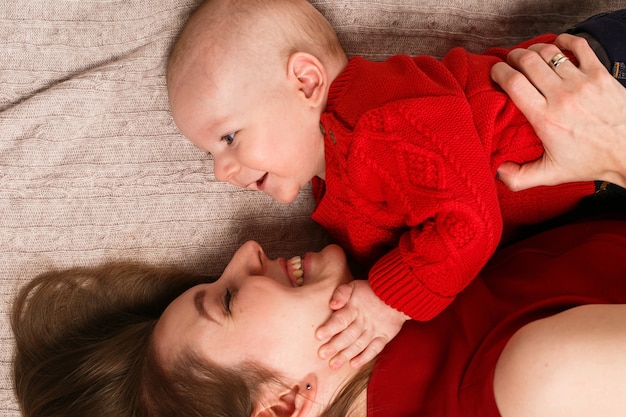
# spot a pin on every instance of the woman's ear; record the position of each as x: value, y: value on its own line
x: 288, y: 402
x: 309, y: 75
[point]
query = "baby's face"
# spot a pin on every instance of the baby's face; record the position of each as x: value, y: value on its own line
x: 261, y: 131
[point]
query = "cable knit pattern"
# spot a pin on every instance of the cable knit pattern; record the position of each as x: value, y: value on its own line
x: 412, y: 146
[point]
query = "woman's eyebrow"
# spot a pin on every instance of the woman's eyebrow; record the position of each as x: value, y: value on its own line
x: 198, y: 301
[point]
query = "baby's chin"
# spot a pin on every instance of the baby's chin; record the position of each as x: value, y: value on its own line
x: 283, y: 198
x: 281, y: 194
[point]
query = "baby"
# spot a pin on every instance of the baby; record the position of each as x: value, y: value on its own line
x: 403, y: 154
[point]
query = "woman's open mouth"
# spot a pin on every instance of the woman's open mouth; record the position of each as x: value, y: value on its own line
x: 296, y: 270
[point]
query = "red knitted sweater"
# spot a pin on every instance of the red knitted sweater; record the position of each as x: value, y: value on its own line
x: 412, y: 146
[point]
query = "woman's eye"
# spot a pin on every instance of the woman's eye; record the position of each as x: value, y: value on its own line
x: 227, y: 299
x: 229, y: 139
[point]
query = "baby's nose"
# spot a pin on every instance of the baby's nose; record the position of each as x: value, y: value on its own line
x: 225, y: 169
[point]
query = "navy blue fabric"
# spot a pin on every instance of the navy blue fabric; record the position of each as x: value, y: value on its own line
x: 609, y: 29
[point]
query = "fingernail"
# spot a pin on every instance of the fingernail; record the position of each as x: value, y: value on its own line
x: 323, y: 353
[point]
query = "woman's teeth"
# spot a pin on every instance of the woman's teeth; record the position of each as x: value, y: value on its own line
x: 296, y: 270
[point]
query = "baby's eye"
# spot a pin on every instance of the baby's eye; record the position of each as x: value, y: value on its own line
x: 229, y: 139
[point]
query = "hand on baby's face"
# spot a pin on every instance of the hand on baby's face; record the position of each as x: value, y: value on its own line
x: 360, y: 327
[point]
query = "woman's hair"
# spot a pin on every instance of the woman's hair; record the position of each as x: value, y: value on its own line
x: 211, y: 391
x: 83, y: 348
x: 83, y: 338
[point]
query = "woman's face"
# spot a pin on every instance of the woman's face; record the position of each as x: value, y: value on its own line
x: 256, y: 311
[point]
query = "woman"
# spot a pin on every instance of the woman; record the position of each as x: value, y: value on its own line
x: 533, y: 336
x: 541, y: 332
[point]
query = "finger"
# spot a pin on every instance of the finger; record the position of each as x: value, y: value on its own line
x: 351, y: 351
x: 585, y: 56
x: 370, y: 352
x: 350, y: 340
x: 338, y: 361
x: 341, y: 296
x: 521, y: 177
x: 338, y: 322
x: 521, y: 90
x: 534, y: 66
x: 562, y: 68
x: 509, y: 174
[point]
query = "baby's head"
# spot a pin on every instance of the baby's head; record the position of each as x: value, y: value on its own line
x: 247, y: 81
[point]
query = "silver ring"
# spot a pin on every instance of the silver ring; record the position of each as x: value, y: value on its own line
x: 558, y: 59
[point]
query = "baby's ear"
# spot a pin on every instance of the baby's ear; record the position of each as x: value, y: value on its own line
x: 292, y: 402
x: 309, y: 75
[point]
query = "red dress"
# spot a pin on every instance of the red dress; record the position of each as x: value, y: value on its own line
x: 444, y: 367
x: 412, y: 145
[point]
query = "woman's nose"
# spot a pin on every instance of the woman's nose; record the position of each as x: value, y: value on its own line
x: 255, y: 255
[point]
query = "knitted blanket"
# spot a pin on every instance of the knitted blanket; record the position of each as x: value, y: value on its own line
x: 92, y: 168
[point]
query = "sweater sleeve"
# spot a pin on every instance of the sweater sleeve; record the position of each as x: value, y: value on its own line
x: 435, y: 175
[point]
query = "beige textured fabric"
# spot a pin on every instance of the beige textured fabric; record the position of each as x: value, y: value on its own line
x: 92, y: 167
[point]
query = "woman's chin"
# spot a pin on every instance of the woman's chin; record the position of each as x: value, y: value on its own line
x: 327, y: 265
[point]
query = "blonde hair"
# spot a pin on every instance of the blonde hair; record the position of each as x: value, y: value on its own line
x: 254, y: 29
x: 83, y: 347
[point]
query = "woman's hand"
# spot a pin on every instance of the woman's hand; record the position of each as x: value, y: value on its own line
x: 360, y: 327
x: 578, y: 112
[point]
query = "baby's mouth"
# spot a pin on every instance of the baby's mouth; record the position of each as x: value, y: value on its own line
x: 256, y: 185
x: 297, y: 273
x: 261, y: 180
